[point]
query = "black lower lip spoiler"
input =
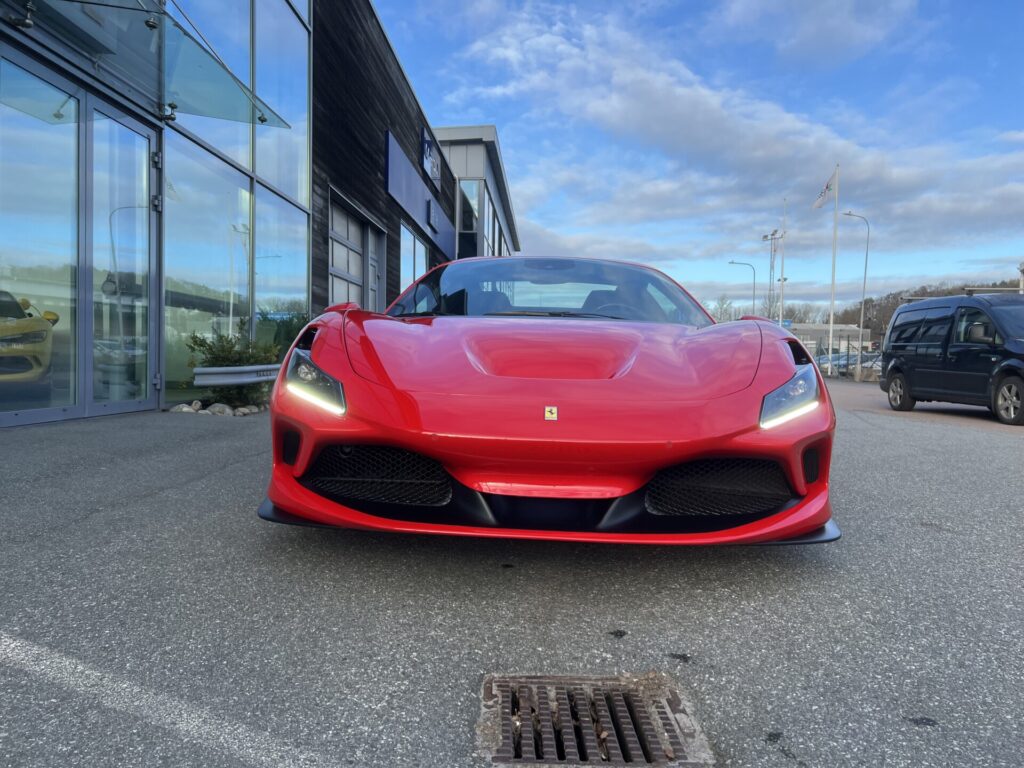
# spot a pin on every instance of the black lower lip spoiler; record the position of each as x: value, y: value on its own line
x: 273, y: 514
x: 828, y: 532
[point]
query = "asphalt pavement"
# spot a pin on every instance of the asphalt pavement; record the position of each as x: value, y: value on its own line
x: 147, y: 617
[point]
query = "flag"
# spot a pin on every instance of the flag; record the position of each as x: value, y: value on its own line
x: 827, y: 191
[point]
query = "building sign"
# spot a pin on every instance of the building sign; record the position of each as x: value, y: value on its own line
x: 418, y: 199
x: 431, y: 158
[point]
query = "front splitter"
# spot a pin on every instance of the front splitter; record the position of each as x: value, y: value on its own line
x: 828, y: 532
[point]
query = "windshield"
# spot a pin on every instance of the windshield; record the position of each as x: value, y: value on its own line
x: 536, y: 287
x: 1010, y: 319
x: 9, y: 307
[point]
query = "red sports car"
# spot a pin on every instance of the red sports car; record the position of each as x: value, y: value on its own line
x: 560, y: 398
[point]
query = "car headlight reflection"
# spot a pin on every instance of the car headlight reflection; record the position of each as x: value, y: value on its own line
x: 33, y: 337
x: 793, y: 399
x: 307, y: 382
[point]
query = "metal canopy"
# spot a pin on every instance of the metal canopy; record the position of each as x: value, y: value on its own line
x: 139, y: 41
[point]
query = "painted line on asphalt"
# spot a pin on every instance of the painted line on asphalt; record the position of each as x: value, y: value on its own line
x: 193, y: 723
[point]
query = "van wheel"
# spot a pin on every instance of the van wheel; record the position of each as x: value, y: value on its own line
x: 899, y: 393
x: 1007, y: 405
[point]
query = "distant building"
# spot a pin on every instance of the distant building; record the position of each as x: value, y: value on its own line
x: 814, y: 336
x: 484, y: 217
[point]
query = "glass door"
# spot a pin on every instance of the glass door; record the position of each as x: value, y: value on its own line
x: 39, y: 244
x: 78, y: 286
x: 122, y: 333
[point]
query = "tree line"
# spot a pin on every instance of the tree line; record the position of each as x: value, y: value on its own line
x: 878, y: 311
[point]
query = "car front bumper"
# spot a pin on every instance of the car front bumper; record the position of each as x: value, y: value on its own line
x: 821, y: 534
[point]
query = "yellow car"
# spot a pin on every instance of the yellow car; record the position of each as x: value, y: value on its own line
x: 26, y: 340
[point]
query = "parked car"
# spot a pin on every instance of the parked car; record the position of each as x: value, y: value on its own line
x: 957, y: 349
x: 26, y: 340
x: 552, y: 398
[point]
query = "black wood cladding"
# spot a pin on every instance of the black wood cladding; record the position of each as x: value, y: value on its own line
x: 359, y: 94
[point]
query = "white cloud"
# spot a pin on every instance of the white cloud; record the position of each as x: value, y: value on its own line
x: 720, y: 157
x: 825, y: 33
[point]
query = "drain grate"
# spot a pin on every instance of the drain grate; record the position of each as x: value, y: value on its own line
x: 590, y: 721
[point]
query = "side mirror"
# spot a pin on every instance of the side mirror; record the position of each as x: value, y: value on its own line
x: 24, y: 304
x: 51, y: 317
x: 976, y: 334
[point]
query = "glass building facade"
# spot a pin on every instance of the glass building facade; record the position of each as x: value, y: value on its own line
x: 154, y: 183
x: 158, y: 180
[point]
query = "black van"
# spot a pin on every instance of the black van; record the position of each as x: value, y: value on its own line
x: 958, y: 349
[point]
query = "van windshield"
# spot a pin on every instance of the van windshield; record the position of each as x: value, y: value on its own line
x: 1011, y: 319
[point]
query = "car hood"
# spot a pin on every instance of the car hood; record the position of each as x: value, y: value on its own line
x: 590, y: 359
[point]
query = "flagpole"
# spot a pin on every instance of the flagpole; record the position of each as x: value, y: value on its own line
x: 832, y: 302
x: 782, y: 268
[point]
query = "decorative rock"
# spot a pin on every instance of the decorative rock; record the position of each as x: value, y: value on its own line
x: 197, y: 405
x: 204, y: 412
x: 241, y: 412
x: 219, y: 409
x: 183, y: 408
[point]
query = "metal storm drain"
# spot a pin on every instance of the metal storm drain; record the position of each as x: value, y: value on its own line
x: 589, y: 721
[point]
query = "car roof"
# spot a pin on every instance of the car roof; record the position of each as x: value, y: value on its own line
x: 978, y: 299
x: 1001, y: 299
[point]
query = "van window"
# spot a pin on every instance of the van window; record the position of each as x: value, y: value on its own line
x: 969, y: 316
x: 936, y: 325
x: 906, y: 325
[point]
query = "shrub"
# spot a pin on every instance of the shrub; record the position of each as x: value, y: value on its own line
x: 233, y: 349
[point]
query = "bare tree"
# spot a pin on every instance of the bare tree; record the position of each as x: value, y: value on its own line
x: 722, y: 309
x: 770, y: 307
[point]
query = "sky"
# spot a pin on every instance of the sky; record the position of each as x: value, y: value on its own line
x: 671, y: 133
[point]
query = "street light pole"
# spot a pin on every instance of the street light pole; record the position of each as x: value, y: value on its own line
x: 863, y: 293
x: 753, y: 286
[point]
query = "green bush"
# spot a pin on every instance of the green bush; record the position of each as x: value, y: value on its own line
x: 233, y: 349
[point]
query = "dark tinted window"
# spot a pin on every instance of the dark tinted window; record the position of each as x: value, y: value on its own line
x: 970, y: 317
x: 906, y: 326
x: 936, y: 325
x: 9, y: 307
x: 551, y: 288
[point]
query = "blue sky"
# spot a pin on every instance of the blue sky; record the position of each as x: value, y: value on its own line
x: 670, y: 132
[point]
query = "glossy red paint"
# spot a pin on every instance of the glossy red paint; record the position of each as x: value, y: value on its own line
x: 632, y: 398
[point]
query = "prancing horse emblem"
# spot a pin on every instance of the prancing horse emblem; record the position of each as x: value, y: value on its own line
x: 550, y: 413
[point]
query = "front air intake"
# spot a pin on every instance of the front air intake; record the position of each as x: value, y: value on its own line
x: 346, y: 473
x: 717, y: 488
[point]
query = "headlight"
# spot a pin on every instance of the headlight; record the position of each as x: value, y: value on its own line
x: 33, y: 337
x: 796, y: 397
x: 307, y: 382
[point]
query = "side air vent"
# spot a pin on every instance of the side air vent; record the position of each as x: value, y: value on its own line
x: 380, y: 474
x: 812, y: 465
x: 800, y: 356
x: 290, y: 444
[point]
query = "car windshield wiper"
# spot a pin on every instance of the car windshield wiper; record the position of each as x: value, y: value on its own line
x: 553, y: 313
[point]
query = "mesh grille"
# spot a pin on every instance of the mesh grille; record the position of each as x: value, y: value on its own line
x: 380, y: 474
x: 717, y: 487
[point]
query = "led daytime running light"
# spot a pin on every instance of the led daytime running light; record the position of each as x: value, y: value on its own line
x: 309, y: 397
x: 795, y: 413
